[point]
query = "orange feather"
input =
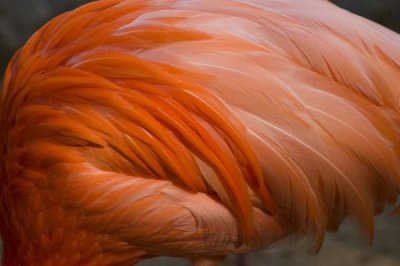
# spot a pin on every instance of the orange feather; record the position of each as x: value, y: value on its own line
x: 197, y: 129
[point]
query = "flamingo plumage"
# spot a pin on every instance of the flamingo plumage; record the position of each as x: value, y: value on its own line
x: 195, y: 129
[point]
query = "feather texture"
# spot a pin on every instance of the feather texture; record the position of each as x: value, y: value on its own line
x: 195, y: 129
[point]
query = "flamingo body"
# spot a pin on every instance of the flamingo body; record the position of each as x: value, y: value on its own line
x: 196, y: 129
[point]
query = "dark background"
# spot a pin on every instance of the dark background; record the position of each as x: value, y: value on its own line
x: 20, y: 18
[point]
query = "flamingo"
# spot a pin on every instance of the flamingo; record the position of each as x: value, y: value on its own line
x: 133, y: 129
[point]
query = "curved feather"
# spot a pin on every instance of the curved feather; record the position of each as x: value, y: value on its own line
x: 196, y: 128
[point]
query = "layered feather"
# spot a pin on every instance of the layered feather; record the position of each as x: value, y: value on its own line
x: 278, y: 119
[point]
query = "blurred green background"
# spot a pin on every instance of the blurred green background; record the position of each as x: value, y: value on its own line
x: 20, y: 18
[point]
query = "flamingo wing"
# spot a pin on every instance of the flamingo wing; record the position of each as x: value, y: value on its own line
x: 202, y: 128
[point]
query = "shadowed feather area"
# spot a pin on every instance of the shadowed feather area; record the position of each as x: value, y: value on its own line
x: 195, y: 129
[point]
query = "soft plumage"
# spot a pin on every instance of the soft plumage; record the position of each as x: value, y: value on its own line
x: 197, y: 129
